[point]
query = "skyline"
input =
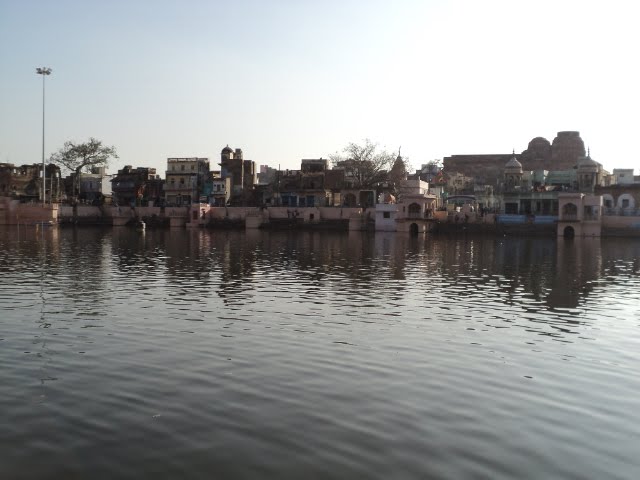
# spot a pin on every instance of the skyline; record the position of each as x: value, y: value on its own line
x: 291, y: 80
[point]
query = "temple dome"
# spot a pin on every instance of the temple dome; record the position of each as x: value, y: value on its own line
x: 588, y: 164
x: 227, y: 149
x: 541, y: 146
x: 513, y: 164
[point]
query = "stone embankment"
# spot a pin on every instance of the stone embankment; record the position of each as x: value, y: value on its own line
x: 313, y: 218
x: 205, y: 216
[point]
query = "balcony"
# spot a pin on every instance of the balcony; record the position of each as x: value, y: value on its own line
x: 179, y: 188
x: 419, y: 215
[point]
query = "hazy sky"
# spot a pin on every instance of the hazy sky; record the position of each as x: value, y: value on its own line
x: 286, y: 80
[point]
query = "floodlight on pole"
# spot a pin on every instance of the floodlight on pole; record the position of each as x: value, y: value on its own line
x: 44, y: 71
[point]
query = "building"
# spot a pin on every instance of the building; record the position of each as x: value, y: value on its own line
x: 313, y: 185
x: 241, y: 174
x: 96, y: 186
x: 138, y: 186
x: 305, y: 187
x: 267, y: 175
x: 620, y: 199
x: 185, y: 180
x: 24, y: 182
x: 624, y: 176
x: 413, y: 212
x: 580, y: 214
x: 220, y: 191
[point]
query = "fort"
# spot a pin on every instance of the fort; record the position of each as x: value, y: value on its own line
x: 487, y: 169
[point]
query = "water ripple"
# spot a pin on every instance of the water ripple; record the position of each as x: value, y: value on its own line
x: 197, y: 354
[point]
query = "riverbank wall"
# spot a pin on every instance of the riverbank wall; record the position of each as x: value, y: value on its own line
x: 12, y: 212
x: 279, y: 218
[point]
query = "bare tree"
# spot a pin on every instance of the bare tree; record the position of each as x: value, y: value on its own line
x: 76, y: 156
x: 365, y: 166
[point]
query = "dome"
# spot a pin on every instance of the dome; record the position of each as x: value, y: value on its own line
x: 513, y: 163
x: 227, y: 149
x: 539, y: 143
x: 588, y: 164
x: 539, y: 147
x: 566, y: 150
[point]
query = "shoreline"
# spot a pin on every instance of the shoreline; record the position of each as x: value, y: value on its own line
x: 301, y: 218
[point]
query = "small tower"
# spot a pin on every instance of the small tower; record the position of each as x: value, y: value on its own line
x: 513, y: 174
x: 398, y: 172
x: 588, y: 170
x: 226, y: 154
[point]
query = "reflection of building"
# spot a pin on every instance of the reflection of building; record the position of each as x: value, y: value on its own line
x: 578, y: 266
x: 136, y: 186
x: 185, y: 180
x: 25, y: 182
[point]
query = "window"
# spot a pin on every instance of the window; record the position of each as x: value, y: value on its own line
x: 415, y: 208
x: 570, y: 209
x: 511, y: 208
x: 182, y: 167
x: 386, y: 214
x: 625, y: 203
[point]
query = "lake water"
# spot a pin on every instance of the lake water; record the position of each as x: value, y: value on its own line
x: 199, y: 354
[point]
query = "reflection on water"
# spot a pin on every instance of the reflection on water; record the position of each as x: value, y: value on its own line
x: 280, y: 354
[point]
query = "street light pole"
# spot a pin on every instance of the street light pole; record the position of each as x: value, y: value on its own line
x: 44, y: 71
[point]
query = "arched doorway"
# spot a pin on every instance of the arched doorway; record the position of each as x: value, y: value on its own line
x: 570, y: 211
x: 626, y: 202
x: 413, y: 229
x: 569, y: 232
x: 415, y: 210
x: 350, y: 200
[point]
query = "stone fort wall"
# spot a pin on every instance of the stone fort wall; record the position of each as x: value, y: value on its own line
x: 563, y: 154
